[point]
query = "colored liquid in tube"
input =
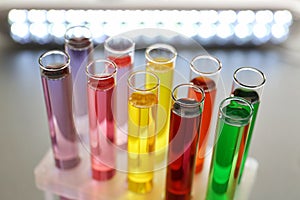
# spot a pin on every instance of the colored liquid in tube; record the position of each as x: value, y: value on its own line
x: 184, y: 135
x: 58, y: 98
x: 221, y: 183
x: 141, y: 141
x: 165, y: 73
x: 209, y: 87
x: 80, y: 52
x: 102, y: 127
x: 124, y: 64
x: 253, y: 98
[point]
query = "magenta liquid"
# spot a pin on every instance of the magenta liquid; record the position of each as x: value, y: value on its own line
x: 183, y: 139
x: 57, y: 86
x: 102, y: 127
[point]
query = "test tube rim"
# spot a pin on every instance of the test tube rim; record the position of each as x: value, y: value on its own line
x: 127, y: 50
x: 156, y: 86
x: 237, y: 81
x: 162, y: 46
x: 199, y: 103
x: 235, y: 98
x: 98, y: 76
x: 194, y: 69
x: 67, y: 39
x: 59, y: 52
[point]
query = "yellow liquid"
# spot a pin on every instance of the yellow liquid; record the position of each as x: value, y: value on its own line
x: 141, y: 141
x: 165, y: 72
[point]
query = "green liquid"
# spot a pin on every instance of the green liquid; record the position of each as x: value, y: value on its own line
x: 253, y: 98
x: 222, y: 183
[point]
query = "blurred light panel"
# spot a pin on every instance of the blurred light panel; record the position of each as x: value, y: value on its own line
x: 213, y: 27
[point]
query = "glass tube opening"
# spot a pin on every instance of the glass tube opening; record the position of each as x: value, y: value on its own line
x: 119, y: 45
x: 137, y: 81
x: 249, y: 77
x: 78, y: 36
x: 188, y: 91
x: 206, y: 65
x: 101, y: 69
x: 156, y: 51
x: 54, y: 60
x: 236, y: 110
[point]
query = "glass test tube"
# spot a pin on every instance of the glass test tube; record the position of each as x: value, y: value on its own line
x: 142, y: 118
x: 183, y: 140
x: 205, y: 72
x: 57, y: 87
x: 120, y: 49
x: 248, y: 83
x: 160, y: 60
x: 233, y: 122
x: 100, y: 87
x: 79, y: 46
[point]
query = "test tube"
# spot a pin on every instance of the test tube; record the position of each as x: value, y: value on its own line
x: 248, y: 83
x: 160, y: 60
x: 142, y: 121
x: 79, y: 46
x: 204, y: 72
x: 57, y: 88
x: 120, y: 50
x: 233, y: 122
x: 100, y: 87
x: 184, y: 135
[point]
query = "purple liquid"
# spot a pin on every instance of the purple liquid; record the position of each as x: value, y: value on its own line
x: 57, y: 88
x: 102, y: 127
x: 80, y: 52
x: 184, y: 135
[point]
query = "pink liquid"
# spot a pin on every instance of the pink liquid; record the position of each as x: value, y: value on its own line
x: 102, y: 127
x: 57, y: 88
x: 124, y: 65
x: 184, y: 136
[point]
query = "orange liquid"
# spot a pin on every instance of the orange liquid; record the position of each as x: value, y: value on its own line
x: 209, y: 87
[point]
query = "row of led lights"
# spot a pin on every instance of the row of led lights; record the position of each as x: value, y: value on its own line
x: 207, y: 26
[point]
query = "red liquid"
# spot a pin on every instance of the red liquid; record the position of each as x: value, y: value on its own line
x: 102, y: 127
x: 209, y: 87
x: 241, y: 153
x: 184, y: 135
x: 124, y: 65
x: 122, y: 61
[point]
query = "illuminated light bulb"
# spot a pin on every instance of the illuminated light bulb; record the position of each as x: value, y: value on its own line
x: 20, y: 30
x: 17, y: 16
x: 56, y: 16
x: 58, y: 30
x: 224, y: 31
x: 264, y: 16
x: 75, y: 17
x: 283, y: 17
x: 37, y: 16
x: 207, y: 30
x: 227, y: 17
x: 208, y: 16
x: 279, y: 33
x: 242, y: 30
x: 39, y: 30
x: 246, y: 16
